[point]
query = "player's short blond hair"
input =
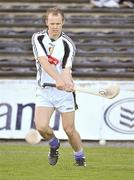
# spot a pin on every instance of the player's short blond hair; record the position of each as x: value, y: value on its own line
x: 55, y: 11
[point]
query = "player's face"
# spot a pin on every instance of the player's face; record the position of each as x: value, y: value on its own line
x: 54, y: 23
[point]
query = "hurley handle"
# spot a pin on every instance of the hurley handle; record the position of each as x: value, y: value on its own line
x: 49, y: 84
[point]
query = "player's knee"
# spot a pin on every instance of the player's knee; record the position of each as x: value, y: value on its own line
x: 69, y: 131
x: 42, y: 128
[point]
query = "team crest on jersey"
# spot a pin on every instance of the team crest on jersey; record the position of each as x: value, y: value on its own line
x: 51, y: 49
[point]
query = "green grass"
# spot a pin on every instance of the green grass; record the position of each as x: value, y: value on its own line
x: 25, y: 162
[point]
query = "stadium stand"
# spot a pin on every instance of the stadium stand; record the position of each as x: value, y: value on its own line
x: 104, y: 38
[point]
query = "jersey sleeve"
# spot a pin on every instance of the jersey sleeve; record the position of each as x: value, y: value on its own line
x: 69, y: 55
x: 37, y: 45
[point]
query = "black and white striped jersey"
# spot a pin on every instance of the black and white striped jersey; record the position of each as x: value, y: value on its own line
x: 62, y: 49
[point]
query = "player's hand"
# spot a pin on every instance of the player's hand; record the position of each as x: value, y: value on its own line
x: 69, y: 86
x: 67, y: 78
x: 66, y: 86
x: 60, y: 84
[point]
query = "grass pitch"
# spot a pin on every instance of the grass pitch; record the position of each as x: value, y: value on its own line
x: 26, y: 162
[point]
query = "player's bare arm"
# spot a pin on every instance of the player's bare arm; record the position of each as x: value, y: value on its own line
x: 67, y: 78
x: 50, y: 69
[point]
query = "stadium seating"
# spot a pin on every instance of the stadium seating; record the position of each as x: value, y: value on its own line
x: 104, y: 38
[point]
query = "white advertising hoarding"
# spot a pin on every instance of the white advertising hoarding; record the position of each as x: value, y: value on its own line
x: 96, y: 118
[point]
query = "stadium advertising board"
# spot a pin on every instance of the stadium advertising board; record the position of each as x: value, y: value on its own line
x: 96, y: 118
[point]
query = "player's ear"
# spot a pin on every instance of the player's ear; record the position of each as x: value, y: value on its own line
x: 63, y: 22
x: 45, y: 20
